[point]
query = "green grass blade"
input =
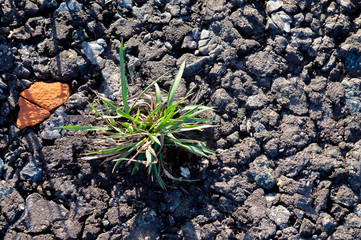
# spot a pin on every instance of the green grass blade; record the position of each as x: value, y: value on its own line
x: 158, y: 96
x: 196, y: 149
x: 106, y: 103
x: 157, y: 176
x: 190, y: 91
x: 195, y: 127
x: 124, y: 114
x: 154, y: 139
x: 85, y: 128
x: 123, y: 80
x: 149, y: 157
x: 137, y: 116
x: 175, y: 84
x: 95, y: 110
x: 136, y: 167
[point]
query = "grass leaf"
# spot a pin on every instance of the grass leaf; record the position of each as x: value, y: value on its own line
x: 123, y: 80
x: 158, y: 96
x: 85, y: 128
x: 175, y: 84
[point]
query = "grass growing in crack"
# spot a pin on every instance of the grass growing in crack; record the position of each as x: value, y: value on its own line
x: 143, y: 126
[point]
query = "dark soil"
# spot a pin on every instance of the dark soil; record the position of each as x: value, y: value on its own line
x: 284, y: 77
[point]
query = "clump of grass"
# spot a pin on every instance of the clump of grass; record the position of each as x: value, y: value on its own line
x: 141, y: 127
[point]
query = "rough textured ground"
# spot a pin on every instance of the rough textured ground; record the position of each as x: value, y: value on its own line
x: 284, y: 76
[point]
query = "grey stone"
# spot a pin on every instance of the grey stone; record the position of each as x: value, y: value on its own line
x: 344, y: 196
x: 261, y: 169
x: 327, y: 222
x: 1, y: 166
x: 321, y: 44
x: 298, y: 201
x: 11, y: 202
x: 249, y: 21
x: 307, y: 228
x: 302, y: 39
x: 41, y: 68
x: 31, y: 172
x: 236, y: 188
x: 64, y: 188
x: 93, y: 50
x: 63, y: 7
x: 79, y: 35
x: 194, y: 64
x: 353, y: 221
x: 321, y: 195
x: 266, y: 64
x: 64, y: 66
x: 40, y: 214
x: 176, y: 31
x: 4, y: 112
x: 152, y: 51
x: 279, y: 215
x: 296, y: 132
x: 273, y: 5
x: 62, y: 28
x: 212, y: 47
x: 46, y: 4
x: 189, y: 43
x: 73, y: 5
x: 352, y: 94
x: 266, y: 230
x: 344, y: 233
x: 3, y: 88
x: 357, y: 210
x: 118, y: 214
x: 173, y: 200
x: 290, y: 94
x: 147, y: 225
x: 225, y: 29
x: 282, y: 20
x: 21, y: 33
x: 142, y: 12
x: 6, y: 58
x: 298, y: 19
x: 339, y: 26
x: 111, y: 86
x: 204, y: 34
x: 49, y: 127
x: 256, y: 101
x: 221, y: 99
x: 133, y: 63
x: 76, y: 102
